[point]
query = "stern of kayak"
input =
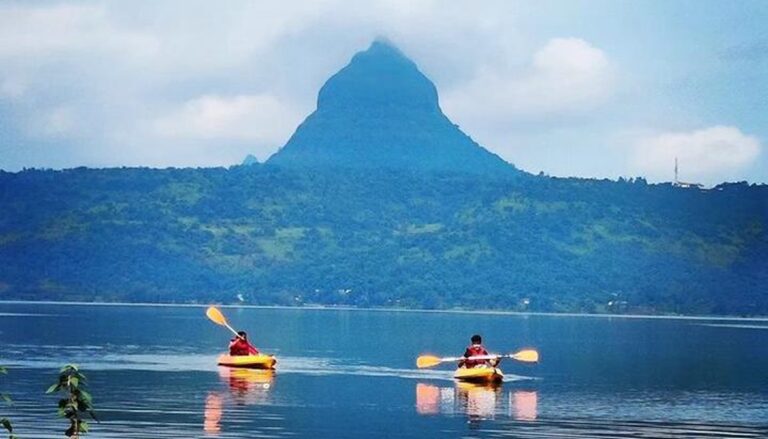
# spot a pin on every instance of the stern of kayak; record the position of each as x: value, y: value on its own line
x: 479, y: 375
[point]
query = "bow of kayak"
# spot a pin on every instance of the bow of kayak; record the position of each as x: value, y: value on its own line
x: 479, y: 374
x: 260, y: 361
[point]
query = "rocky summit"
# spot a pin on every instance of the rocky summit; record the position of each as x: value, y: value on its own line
x: 380, y: 111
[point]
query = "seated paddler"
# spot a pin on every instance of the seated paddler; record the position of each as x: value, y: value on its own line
x: 474, y: 350
x: 240, y: 346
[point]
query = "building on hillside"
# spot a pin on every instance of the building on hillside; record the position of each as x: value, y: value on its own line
x: 683, y: 184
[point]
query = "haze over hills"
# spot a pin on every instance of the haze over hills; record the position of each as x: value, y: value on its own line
x: 379, y: 112
x: 421, y: 217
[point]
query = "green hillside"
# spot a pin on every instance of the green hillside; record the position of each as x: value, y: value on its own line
x: 382, y: 238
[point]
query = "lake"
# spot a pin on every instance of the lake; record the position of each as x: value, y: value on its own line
x: 351, y: 373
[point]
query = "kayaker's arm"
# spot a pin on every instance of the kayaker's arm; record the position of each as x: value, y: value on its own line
x: 463, y: 359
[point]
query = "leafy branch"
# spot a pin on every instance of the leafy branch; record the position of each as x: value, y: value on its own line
x: 5, y: 397
x: 76, y: 402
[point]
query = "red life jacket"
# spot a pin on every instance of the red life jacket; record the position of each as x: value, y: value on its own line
x: 473, y: 351
x: 239, y: 346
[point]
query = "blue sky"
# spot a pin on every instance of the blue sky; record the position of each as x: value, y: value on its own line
x: 590, y: 89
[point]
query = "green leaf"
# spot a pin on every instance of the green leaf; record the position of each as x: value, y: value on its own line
x: 84, y: 427
x: 53, y: 388
x: 7, y: 424
x: 74, y: 381
x: 7, y: 398
x: 3, y: 370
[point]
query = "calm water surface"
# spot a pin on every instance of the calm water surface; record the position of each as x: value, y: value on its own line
x: 348, y: 373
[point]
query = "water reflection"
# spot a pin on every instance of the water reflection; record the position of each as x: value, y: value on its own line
x: 427, y: 399
x: 246, y: 387
x: 525, y: 405
x: 477, y: 401
x: 212, y: 414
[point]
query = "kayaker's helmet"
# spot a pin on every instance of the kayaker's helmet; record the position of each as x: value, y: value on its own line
x: 242, y: 334
x: 476, y: 339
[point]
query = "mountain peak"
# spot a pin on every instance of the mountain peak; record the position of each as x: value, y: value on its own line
x: 249, y: 160
x: 381, y: 76
x: 381, y: 111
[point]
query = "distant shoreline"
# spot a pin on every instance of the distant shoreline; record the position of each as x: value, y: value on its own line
x: 384, y: 309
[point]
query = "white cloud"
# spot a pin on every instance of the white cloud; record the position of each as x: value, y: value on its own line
x: 707, y: 155
x: 12, y: 88
x: 567, y: 75
x: 38, y: 31
x: 60, y: 122
x: 259, y: 118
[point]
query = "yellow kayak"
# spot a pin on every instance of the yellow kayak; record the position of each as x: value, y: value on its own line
x: 479, y: 374
x: 260, y: 361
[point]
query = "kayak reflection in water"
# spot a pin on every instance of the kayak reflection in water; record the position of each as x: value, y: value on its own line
x: 239, y: 345
x: 474, y: 350
x: 248, y: 386
x: 477, y: 401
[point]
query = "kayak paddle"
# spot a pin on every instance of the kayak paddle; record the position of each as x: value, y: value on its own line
x: 525, y: 356
x: 217, y: 317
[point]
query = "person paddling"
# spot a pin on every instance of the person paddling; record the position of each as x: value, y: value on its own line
x: 476, y: 349
x: 240, y: 346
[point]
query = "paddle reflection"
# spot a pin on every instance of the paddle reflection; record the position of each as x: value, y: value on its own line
x: 427, y: 399
x: 525, y: 404
x: 212, y: 414
x: 477, y: 401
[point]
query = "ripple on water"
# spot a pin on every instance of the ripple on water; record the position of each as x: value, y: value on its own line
x: 25, y: 314
x: 608, y: 429
x: 734, y: 325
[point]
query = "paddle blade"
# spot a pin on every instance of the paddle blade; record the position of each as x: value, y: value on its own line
x: 526, y: 356
x: 216, y: 316
x: 427, y: 361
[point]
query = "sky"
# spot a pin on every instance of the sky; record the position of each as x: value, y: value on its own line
x: 598, y: 89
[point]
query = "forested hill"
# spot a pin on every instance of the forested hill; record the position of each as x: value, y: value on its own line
x: 382, y: 238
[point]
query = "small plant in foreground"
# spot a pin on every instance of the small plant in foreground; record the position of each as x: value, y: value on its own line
x: 5, y: 397
x: 76, y: 401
